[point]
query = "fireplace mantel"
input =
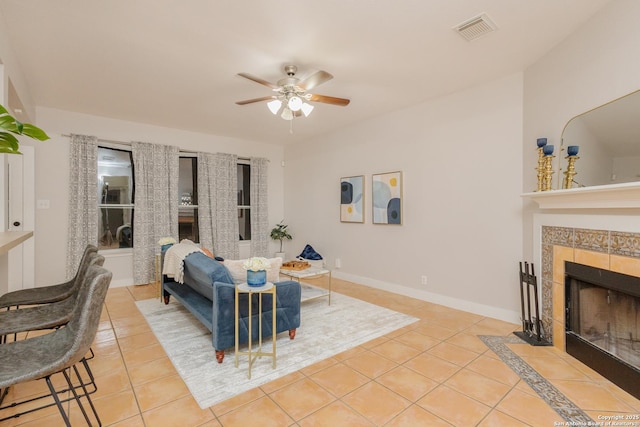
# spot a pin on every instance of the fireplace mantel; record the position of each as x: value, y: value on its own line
x: 614, y: 196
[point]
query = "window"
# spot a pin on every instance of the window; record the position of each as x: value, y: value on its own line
x: 115, y: 198
x: 188, y: 199
x: 244, y: 201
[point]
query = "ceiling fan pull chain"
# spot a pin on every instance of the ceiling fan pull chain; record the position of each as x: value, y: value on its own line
x: 291, y: 125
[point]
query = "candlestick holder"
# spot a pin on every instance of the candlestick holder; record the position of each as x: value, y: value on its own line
x: 548, y: 172
x: 540, y: 169
x: 570, y: 172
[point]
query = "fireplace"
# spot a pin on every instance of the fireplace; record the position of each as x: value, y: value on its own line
x: 602, y: 311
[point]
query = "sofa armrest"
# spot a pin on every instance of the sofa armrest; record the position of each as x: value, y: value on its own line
x: 223, y: 319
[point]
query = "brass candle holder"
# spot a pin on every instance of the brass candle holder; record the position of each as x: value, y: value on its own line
x: 548, y: 171
x: 572, y: 150
x: 540, y: 169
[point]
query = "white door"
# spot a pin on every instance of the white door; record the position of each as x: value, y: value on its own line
x: 21, y: 216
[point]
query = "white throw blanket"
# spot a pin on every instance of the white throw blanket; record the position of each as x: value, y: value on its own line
x: 174, y: 259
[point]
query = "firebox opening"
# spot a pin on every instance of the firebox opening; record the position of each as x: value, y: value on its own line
x: 603, y: 321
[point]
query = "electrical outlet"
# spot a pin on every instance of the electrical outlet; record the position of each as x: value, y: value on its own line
x: 423, y: 280
x: 338, y: 263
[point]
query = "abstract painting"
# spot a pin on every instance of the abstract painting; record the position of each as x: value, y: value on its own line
x: 352, y: 199
x: 387, y: 198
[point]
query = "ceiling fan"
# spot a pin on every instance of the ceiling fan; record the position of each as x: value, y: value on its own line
x: 291, y: 93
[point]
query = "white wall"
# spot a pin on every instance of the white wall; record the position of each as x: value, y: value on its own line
x: 461, y: 161
x: 52, y: 176
x: 596, y: 64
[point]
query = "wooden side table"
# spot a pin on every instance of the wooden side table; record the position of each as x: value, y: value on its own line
x: 244, y: 288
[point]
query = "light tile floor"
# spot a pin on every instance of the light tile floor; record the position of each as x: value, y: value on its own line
x: 435, y: 372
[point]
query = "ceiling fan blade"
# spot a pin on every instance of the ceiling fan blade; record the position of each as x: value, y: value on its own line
x: 314, y: 80
x: 330, y: 100
x: 258, y: 80
x: 251, y: 101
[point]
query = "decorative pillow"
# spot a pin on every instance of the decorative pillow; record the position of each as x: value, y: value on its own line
x: 239, y: 274
x: 309, y: 253
x: 207, y: 252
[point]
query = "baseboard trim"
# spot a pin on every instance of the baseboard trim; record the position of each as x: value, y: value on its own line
x: 470, y: 306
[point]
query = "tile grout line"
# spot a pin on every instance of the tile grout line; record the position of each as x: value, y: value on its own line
x: 549, y: 393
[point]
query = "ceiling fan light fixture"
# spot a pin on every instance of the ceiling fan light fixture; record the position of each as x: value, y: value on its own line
x: 295, y: 103
x: 306, y: 109
x: 287, y: 114
x: 274, y: 106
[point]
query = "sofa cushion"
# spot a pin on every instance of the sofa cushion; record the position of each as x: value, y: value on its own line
x: 205, y: 269
x: 239, y: 274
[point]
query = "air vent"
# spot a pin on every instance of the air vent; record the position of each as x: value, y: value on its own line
x: 476, y: 27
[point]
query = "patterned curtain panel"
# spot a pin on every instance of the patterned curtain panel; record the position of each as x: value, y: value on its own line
x: 218, y: 204
x: 156, y: 204
x: 83, y: 198
x: 259, y: 208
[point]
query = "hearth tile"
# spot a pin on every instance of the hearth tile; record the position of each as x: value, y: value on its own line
x: 396, y: 351
x: 339, y: 379
x: 560, y: 255
x: 376, y: 403
x: 454, y: 407
x: 453, y: 353
x: 495, y: 369
x: 185, y: 412
x: 478, y: 387
x: 559, y: 339
x: 625, y: 244
x: 301, y: 398
x: 592, y: 240
x: 558, y: 302
x: 335, y: 414
x: 594, y: 259
x: 558, y: 236
x: 555, y: 368
x: 528, y: 408
x: 625, y: 265
x: 371, y: 364
x: 264, y: 409
x: 414, y: 415
x: 407, y: 383
x: 432, y: 367
x: 591, y: 396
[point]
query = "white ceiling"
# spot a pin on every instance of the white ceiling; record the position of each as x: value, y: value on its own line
x: 174, y: 62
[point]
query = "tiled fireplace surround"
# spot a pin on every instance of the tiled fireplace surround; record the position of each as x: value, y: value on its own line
x: 612, y: 250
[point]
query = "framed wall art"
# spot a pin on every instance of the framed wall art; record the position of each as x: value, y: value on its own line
x: 386, y: 193
x: 352, y: 199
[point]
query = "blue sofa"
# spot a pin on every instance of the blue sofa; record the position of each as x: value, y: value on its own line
x: 208, y: 293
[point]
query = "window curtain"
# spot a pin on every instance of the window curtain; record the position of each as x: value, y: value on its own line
x: 218, y: 204
x: 155, y: 214
x: 259, y: 207
x: 83, y: 198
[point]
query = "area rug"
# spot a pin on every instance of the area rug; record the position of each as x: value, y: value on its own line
x: 325, y: 330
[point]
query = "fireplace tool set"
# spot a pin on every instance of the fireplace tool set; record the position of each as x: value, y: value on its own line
x: 531, y: 324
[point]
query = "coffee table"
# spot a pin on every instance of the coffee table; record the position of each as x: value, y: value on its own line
x: 311, y: 273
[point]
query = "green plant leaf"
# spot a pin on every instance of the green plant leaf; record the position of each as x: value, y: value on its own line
x: 8, y: 150
x: 8, y: 140
x: 34, y: 132
x: 9, y: 123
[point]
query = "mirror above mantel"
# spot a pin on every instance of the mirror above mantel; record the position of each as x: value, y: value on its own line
x: 608, y: 138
